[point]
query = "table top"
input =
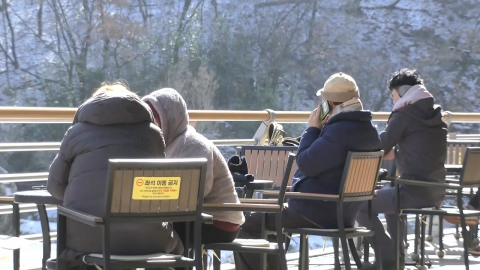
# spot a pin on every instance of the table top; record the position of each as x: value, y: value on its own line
x: 256, y: 184
x: 35, y: 196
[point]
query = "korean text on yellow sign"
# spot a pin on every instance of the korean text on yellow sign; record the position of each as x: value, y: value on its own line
x: 156, y: 188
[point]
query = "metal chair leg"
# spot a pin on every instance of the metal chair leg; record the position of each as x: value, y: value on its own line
x: 303, y: 263
x: 16, y: 233
x: 205, y: 261
x: 217, y: 262
x: 415, y: 256
x: 457, y: 232
x: 441, y: 251
x: 465, y: 245
x: 366, y: 250
x: 422, y: 241
x: 359, y: 245
x: 378, y: 257
x: 47, y: 244
x: 406, y: 235
x: 287, y: 241
x: 346, y: 255
x: 430, y: 229
x: 282, y: 251
x: 355, y: 256
x: 336, y: 253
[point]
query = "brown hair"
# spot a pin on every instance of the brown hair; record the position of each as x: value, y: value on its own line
x: 118, y: 86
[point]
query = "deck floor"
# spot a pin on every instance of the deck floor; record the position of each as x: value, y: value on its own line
x: 453, y: 258
x: 31, y: 256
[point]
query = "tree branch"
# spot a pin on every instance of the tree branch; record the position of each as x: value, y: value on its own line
x: 176, y: 48
x: 14, y: 58
x: 47, y: 46
x: 39, y: 19
x: 61, y: 83
x: 142, y: 5
x: 281, y: 3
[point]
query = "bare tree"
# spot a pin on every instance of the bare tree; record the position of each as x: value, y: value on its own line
x: 40, y: 18
x: 9, y: 49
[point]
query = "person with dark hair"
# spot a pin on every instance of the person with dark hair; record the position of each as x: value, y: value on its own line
x: 416, y: 137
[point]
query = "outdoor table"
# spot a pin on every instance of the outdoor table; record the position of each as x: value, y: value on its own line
x: 40, y: 198
x: 453, y: 168
x: 255, y: 185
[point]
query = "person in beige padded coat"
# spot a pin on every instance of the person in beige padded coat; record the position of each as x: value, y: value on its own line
x: 183, y: 141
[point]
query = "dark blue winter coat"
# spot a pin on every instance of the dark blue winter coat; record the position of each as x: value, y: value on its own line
x: 321, y: 159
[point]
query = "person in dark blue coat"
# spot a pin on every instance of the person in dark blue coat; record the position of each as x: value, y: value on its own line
x: 321, y: 159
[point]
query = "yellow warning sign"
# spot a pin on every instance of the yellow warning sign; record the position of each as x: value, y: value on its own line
x: 156, y: 188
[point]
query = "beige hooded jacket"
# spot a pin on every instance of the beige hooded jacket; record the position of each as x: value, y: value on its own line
x: 183, y: 141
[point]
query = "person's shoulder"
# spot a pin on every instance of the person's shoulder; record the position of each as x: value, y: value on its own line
x: 77, y: 129
x: 192, y: 137
x: 193, y: 144
x: 154, y: 130
x: 351, y: 128
x: 398, y: 115
x: 343, y: 125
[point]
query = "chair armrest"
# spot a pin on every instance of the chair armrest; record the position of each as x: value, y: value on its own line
x: 260, y: 201
x: 207, y: 219
x: 80, y: 216
x: 312, y: 196
x: 248, y: 207
x: 383, y: 183
x: 426, y: 184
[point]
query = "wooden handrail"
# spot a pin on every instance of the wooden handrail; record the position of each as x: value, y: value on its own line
x: 65, y: 115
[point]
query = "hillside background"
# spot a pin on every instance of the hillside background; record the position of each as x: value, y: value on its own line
x: 229, y: 54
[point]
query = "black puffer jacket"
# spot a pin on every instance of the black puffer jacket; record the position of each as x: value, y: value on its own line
x: 420, y: 136
x: 107, y: 126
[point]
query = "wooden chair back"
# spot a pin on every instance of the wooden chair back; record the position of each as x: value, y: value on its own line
x: 360, y: 173
x: 470, y: 175
x: 456, y: 150
x: 269, y: 162
x: 155, y: 187
x: 286, y: 178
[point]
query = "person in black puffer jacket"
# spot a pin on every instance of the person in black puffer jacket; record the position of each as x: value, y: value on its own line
x: 416, y: 136
x: 113, y: 123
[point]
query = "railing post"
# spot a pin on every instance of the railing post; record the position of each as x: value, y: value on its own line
x: 262, y: 131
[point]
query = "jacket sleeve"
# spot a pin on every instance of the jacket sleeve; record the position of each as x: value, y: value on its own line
x: 224, y: 184
x: 318, y: 154
x: 198, y: 150
x: 394, y: 132
x: 60, y: 169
